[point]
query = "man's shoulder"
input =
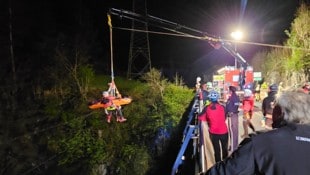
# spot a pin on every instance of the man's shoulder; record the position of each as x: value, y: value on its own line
x: 282, y: 132
x: 266, y: 99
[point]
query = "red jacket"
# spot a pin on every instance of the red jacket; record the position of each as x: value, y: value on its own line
x: 214, y: 114
x: 248, y: 104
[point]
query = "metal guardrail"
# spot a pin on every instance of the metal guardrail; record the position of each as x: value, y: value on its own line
x: 190, y: 132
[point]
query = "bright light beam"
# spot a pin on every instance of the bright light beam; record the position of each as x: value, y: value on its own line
x: 237, y: 35
x: 242, y: 10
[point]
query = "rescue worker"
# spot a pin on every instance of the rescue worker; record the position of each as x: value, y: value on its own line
x: 283, y: 150
x: 214, y: 115
x: 268, y: 105
x: 209, y: 86
x: 232, y: 106
x: 110, y: 108
x: 113, y: 91
x: 198, y: 79
x: 204, y: 95
x: 199, y: 94
x: 247, y: 107
x: 264, y: 88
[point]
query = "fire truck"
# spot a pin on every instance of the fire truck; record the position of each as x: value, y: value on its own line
x: 231, y: 76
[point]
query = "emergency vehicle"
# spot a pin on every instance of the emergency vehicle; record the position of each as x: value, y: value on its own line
x: 231, y: 76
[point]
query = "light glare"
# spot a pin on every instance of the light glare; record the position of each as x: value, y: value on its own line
x: 237, y: 35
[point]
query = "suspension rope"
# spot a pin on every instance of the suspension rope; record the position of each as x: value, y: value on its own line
x: 111, y: 46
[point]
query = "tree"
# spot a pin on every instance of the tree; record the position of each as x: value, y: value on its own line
x: 290, y: 66
x: 299, y: 40
x: 274, y: 68
x: 258, y: 60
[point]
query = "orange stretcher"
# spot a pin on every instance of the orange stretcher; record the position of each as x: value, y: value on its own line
x: 117, y: 102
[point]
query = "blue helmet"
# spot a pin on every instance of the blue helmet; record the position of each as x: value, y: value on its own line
x: 213, y: 96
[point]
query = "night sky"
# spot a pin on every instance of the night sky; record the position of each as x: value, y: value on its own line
x: 263, y: 20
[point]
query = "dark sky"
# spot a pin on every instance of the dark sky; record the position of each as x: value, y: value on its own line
x: 263, y: 20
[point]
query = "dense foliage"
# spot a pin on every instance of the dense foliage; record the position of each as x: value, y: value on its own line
x: 87, y: 141
x: 291, y: 64
x: 51, y: 66
x: 74, y: 139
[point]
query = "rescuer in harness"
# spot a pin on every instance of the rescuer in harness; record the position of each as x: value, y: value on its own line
x: 110, y: 108
x: 280, y: 151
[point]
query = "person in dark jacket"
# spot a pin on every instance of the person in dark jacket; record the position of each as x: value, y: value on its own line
x: 232, y: 106
x: 280, y: 151
x: 268, y: 105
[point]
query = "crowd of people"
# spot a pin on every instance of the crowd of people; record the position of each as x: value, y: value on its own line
x: 286, y: 134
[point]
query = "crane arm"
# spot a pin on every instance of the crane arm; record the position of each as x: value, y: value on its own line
x: 157, y: 22
x: 181, y: 29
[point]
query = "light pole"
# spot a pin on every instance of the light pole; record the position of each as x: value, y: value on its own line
x: 236, y: 35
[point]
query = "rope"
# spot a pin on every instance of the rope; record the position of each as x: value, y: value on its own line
x: 111, y: 46
x: 112, y: 89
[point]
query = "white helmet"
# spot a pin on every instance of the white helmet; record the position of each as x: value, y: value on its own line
x: 105, y: 93
x: 198, y: 79
x: 247, y: 93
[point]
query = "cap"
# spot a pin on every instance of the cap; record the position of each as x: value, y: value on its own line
x: 232, y: 88
x: 273, y: 88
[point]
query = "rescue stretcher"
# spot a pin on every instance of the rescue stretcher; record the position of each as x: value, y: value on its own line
x: 116, y: 102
